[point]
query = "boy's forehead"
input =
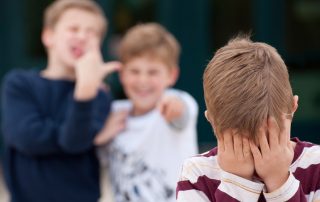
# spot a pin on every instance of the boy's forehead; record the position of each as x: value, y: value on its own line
x: 147, y: 59
x: 79, y: 12
x: 81, y: 16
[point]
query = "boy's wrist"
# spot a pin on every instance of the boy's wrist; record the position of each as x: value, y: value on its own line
x: 285, y: 191
x: 276, y: 182
x: 85, y: 91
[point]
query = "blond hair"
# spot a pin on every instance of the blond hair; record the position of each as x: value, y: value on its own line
x: 54, y: 11
x: 244, y: 84
x: 150, y: 39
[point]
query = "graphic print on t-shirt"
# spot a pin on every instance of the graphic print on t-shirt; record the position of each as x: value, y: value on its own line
x: 134, y: 180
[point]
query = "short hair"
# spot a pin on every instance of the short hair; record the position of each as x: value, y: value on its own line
x: 245, y: 83
x: 150, y: 39
x: 55, y: 10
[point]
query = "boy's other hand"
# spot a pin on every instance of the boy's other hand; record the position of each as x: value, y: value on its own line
x: 90, y: 72
x: 171, y: 107
x: 234, y: 155
x: 115, y: 123
x: 275, y: 155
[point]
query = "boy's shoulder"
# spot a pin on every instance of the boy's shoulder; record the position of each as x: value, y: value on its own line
x: 119, y: 105
x: 204, y: 164
x: 306, y: 155
x: 178, y: 92
x: 17, y: 76
x: 206, y: 156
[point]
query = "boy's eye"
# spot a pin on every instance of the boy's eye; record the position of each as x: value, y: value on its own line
x: 73, y: 29
x: 92, y: 32
x: 153, y: 72
x: 133, y: 71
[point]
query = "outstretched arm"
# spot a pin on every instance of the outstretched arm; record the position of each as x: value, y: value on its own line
x: 178, y: 107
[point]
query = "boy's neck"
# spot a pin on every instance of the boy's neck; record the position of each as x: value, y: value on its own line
x: 58, y: 72
x: 139, y: 112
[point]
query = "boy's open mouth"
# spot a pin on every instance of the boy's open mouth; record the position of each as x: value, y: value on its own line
x: 77, y: 52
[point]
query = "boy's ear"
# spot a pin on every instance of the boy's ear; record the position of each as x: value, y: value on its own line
x: 174, y: 75
x: 295, y: 103
x: 208, y: 117
x: 46, y: 37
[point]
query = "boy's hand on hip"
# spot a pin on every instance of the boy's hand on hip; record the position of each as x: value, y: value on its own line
x: 273, y: 159
x: 90, y: 72
x: 234, y: 155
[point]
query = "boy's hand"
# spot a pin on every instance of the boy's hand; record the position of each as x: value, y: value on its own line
x: 171, y: 107
x: 90, y: 72
x: 234, y: 155
x: 274, y: 157
x: 114, y: 124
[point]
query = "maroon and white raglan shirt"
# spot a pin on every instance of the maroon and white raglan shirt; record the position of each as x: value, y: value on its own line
x: 202, y: 180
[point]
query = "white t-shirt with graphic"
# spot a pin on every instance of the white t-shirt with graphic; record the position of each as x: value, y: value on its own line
x: 145, y: 160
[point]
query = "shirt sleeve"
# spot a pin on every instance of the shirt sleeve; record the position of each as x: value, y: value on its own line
x: 239, y: 188
x: 191, y: 188
x: 290, y: 191
x: 31, y: 132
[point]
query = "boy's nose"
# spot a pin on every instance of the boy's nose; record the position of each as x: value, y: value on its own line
x: 81, y: 35
x: 143, y: 79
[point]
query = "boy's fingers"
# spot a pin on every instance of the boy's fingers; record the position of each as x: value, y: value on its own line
x: 94, y: 44
x: 237, y: 145
x: 110, y: 67
x: 255, y: 151
x: 99, y: 140
x: 167, y: 107
x: 174, y: 109
x: 103, y: 138
x: 263, y: 142
x: 170, y: 107
x: 161, y: 106
x: 274, y: 132
x: 246, y: 147
x: 168, y: 114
